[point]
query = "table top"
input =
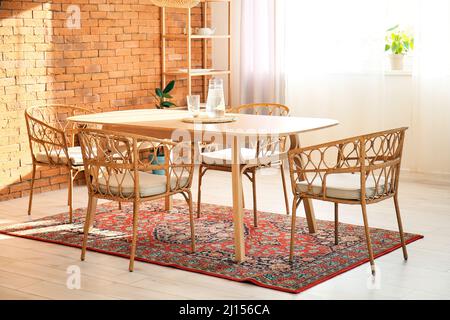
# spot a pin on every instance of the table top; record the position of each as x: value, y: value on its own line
x: 161, y: 123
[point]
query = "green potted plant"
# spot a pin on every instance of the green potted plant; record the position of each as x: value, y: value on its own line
x: 163, y: 96
x: 398, y: 43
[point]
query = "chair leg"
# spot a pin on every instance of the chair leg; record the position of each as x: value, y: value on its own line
x: 120, y: 205
x: 191, y: 221
x: 87, y: 225
x: 199, y: 193
x: 255, y: 207
x: 368, y: 241
x: 336, y: 223
x: 30, y: 201
x: 294, y: 215
x: 134, y: 239
x: 400, y: 228
x: 243, y: 197
x: 70, y: 194
x: 283, y: 179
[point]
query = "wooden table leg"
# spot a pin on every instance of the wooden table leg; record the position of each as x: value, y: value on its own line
x: 310, y: 217
x: 238, y: 210
x: 307, y: 203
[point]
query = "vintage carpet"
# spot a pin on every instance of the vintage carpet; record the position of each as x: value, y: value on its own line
x: 164, y: 239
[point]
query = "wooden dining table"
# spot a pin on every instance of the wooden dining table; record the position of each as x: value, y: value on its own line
x: 167, y: 124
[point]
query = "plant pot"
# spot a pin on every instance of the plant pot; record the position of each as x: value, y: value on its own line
x: 158, y: 160
x: 397, y: 61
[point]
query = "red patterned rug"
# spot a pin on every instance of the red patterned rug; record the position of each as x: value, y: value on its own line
x: 164, y: 239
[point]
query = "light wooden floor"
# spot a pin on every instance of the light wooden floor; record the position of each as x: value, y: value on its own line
x: 36, y: 270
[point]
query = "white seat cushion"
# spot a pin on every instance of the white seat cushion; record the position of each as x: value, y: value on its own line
x: 223, y: 157
x: 149, y: 184
x: 342, y: 186
x: 59, y: 156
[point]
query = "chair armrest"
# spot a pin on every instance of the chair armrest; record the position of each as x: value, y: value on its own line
x: 181, y: 167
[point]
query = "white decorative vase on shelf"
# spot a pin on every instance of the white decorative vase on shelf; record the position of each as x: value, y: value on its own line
x: 205, y: 31
x: 397, y: 61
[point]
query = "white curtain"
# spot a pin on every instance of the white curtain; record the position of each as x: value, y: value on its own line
x: 325, y: 58
x: 430, y: 127
x: 334, y: 37
x: 260, y: 68
x: 336, y: 68
x: 334, y: 64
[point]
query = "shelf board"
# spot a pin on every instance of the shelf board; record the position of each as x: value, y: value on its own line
x: 196, y: 74
x: 195, y: 36
x: 198, y: 36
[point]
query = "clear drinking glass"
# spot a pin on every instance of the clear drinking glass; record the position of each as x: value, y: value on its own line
x: 193, y: 103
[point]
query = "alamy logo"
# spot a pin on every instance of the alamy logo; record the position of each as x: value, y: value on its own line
x: 74, y: 277
x: 74, y: 19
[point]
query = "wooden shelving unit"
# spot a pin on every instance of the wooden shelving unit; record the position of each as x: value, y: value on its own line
x: 188, y: 71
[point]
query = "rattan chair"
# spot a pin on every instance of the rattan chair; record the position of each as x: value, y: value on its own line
x: 264, y: 152
x: 360, y: 171
x: 119, y: 167
x: 52, y: 143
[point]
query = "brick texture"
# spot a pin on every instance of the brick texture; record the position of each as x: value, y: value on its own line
x: 112, y: 62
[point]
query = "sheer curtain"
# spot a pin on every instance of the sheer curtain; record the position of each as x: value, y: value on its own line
x: 431, y: 115
x: 334, y: 37
x: 261, y: 41
x: 336, y: 67
x: 325, y: 58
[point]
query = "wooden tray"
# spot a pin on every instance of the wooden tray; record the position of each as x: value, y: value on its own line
x: 206, y: 120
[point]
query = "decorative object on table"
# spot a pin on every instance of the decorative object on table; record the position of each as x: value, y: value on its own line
x: 176, y: 3
x: 215, y: 104
x: 193, y: 103
x: 266, y: 153
x: 116, y: 168
x: 164, y: 239
x: 163, y: 96
x: 365, y: 170
x: 398, y: 43
x: 205, y: 119
x: 205, y: 31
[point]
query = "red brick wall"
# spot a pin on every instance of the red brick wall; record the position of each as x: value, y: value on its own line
x: 112, y: 62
